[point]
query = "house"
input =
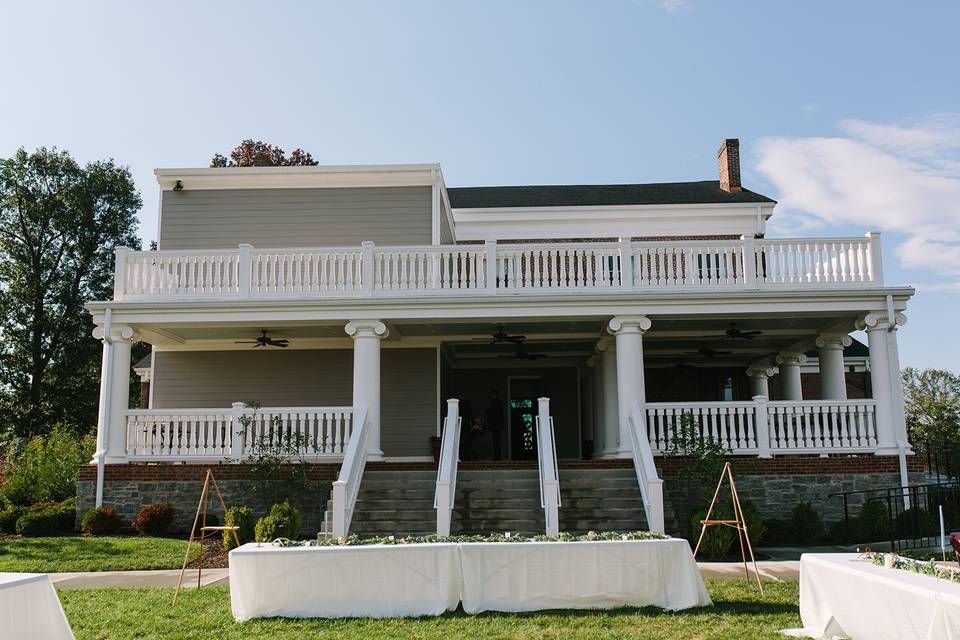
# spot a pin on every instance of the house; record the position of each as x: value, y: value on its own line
x: 368, y: 310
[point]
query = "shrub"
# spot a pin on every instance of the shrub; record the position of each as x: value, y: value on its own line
x: 779, y: 532
x: 873, y: 523
x: 48, y: 519
x: 213, y: 520
x: 101, y: 521
x: 9, y: 517
x: 283, y: 522
x: 239, y: 517
x: 154, y: 519
x: 717, y: 539
x: 914, y: 523
x: 807, y: 523
x: 47, y: 468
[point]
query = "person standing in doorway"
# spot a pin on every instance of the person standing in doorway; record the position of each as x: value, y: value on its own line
x: 494, y: 418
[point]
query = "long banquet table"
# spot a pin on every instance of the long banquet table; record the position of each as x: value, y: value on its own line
x: 531, y: 576
x: 844, y: 595
x: 30, y: 609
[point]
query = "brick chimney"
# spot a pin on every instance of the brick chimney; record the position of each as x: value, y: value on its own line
x: 728, y: 158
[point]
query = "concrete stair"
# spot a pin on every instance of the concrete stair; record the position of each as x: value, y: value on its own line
x: 400, y: 502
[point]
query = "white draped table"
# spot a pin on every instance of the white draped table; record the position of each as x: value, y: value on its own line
x: 842, y: 595
x: 378, y: 581
x: 30, y: 609
x: 531, y: 576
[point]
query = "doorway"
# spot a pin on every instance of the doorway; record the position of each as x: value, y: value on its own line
x: 522, y: 394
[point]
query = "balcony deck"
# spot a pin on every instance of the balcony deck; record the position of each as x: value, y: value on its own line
x: 499, y: 269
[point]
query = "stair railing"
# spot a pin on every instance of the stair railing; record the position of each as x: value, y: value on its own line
x: 651, y: 486
x: 547, y: 465
x: 347, y: 485
x: 446, y: 490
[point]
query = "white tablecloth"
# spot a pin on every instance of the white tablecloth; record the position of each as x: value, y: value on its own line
x: 30, y: 609
x: 843, y: 596
x: 377, y: 581
x: 522, y: 576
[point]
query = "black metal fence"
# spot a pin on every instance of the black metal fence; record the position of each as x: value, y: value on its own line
x: 907, y: 518
x: 943, y: 462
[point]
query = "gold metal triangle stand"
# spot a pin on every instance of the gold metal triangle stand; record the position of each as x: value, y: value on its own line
x: 201, y: 517
x: 739, y: 523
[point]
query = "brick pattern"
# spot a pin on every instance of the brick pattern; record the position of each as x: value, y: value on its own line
x: 728, y: 162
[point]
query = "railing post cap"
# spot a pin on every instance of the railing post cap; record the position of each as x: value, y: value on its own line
x: 368, y: 243
x: 239, y: 405
x: 488, y: 242
x: 121, y: 249
x: 873, y: 234
x: 453, y: 400
x: 245, y: 245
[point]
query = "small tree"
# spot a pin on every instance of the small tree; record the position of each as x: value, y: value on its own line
x: 276, y: 457
x: 261, y: 154
x: 932, y: 406
x: 703, y: 460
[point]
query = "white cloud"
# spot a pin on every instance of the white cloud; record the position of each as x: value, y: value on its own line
x: 902, y: 177
x: 675, y: 6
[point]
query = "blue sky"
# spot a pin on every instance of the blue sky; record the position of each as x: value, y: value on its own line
x: 847, y: 112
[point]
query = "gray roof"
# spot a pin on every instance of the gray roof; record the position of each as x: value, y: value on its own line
x: 585, y: 195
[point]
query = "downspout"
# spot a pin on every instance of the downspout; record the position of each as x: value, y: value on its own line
x: 105, y: 400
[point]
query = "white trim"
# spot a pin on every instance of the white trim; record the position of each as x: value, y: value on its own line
x: 439, y: 397
x: 435, y: 214
x: 298, y: 177
x: 297, y: 344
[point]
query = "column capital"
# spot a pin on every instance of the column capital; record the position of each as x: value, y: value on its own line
x: 833, y: 341
x: 367, y: 329
x: 879, y: 321
x: 764, y: 371
x: 628, y: 324
x: 791, y: 358
x: 605, y: 344
x: 118, y: 333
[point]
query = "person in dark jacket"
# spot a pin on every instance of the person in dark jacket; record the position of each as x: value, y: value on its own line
x: 495, y: 422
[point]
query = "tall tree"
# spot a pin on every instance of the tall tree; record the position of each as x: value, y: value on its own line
x: 260, y: 154
x: 932, y: 406
x: 59, y: 225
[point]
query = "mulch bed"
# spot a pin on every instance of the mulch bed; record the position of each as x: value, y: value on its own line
x: 214, y: 556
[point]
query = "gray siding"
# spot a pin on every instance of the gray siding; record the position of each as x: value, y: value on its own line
x: 314, y: 377
x: 272, y: 218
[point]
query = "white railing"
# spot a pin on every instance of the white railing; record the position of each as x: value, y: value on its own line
x: 651, y: 485
x: 237, y: 433
x: 445, y: 495
x: 347, y: 485
x: 822, y: 426
x: 763, y: 428
x: 548, y: 470
x: 492, y: 268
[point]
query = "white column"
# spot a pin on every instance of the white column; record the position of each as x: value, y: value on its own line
x: 833, y: 378
x: 789, y: 363
x: 114, y: 392
x: 885, y: 380
x: 611, y: 420
x: 367, y: 335
x: 631, y: 386
x: 759, y: 376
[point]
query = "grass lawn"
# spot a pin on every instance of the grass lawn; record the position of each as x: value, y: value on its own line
x: 75, y: 553
x: 739, y: 613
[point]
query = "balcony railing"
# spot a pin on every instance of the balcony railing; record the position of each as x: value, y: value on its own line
x: 499, y: 269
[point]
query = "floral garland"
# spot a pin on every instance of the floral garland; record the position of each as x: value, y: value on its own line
x: 930, y: 568
x: 355, y: 540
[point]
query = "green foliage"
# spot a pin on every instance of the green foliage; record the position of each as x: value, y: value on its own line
x: 915, y: 522
x: 283, y: 522
x: 872, y: 523
x: 101, y: 521
x: 47, y: 467
x: 260, y: 154
x: 590, y: 536
x: 703, y: 461
x: 239, y: 517
x: 717, y: 540
x: 154, y: 519
x: 276, y: 458
x: 48, y: 518
x: 9, y: 517
x: 932, y: 406
x: 213, y: 520
x: 59, y: 225
x: 807, y: 524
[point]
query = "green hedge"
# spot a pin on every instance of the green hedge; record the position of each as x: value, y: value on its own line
x: 239, y: 517
x: 283, y: 522
x: 51, y: 518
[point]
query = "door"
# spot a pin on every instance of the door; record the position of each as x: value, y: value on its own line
x: 523, y: 392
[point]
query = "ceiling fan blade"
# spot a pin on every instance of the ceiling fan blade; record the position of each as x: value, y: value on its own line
x: 259, y: 344
x: 515, y: 338
x: 246, y: 342
x: 282, y: 346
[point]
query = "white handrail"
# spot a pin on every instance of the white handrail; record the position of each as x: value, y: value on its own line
x: 347, y: 485
x: 547, y: 466
x: 446, y: 490
x: 651, y: 486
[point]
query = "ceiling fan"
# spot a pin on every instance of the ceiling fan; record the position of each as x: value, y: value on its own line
x: 502, y: 337
x: 736, y: 334
x: 707, y: 352
x: 265, y: 341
